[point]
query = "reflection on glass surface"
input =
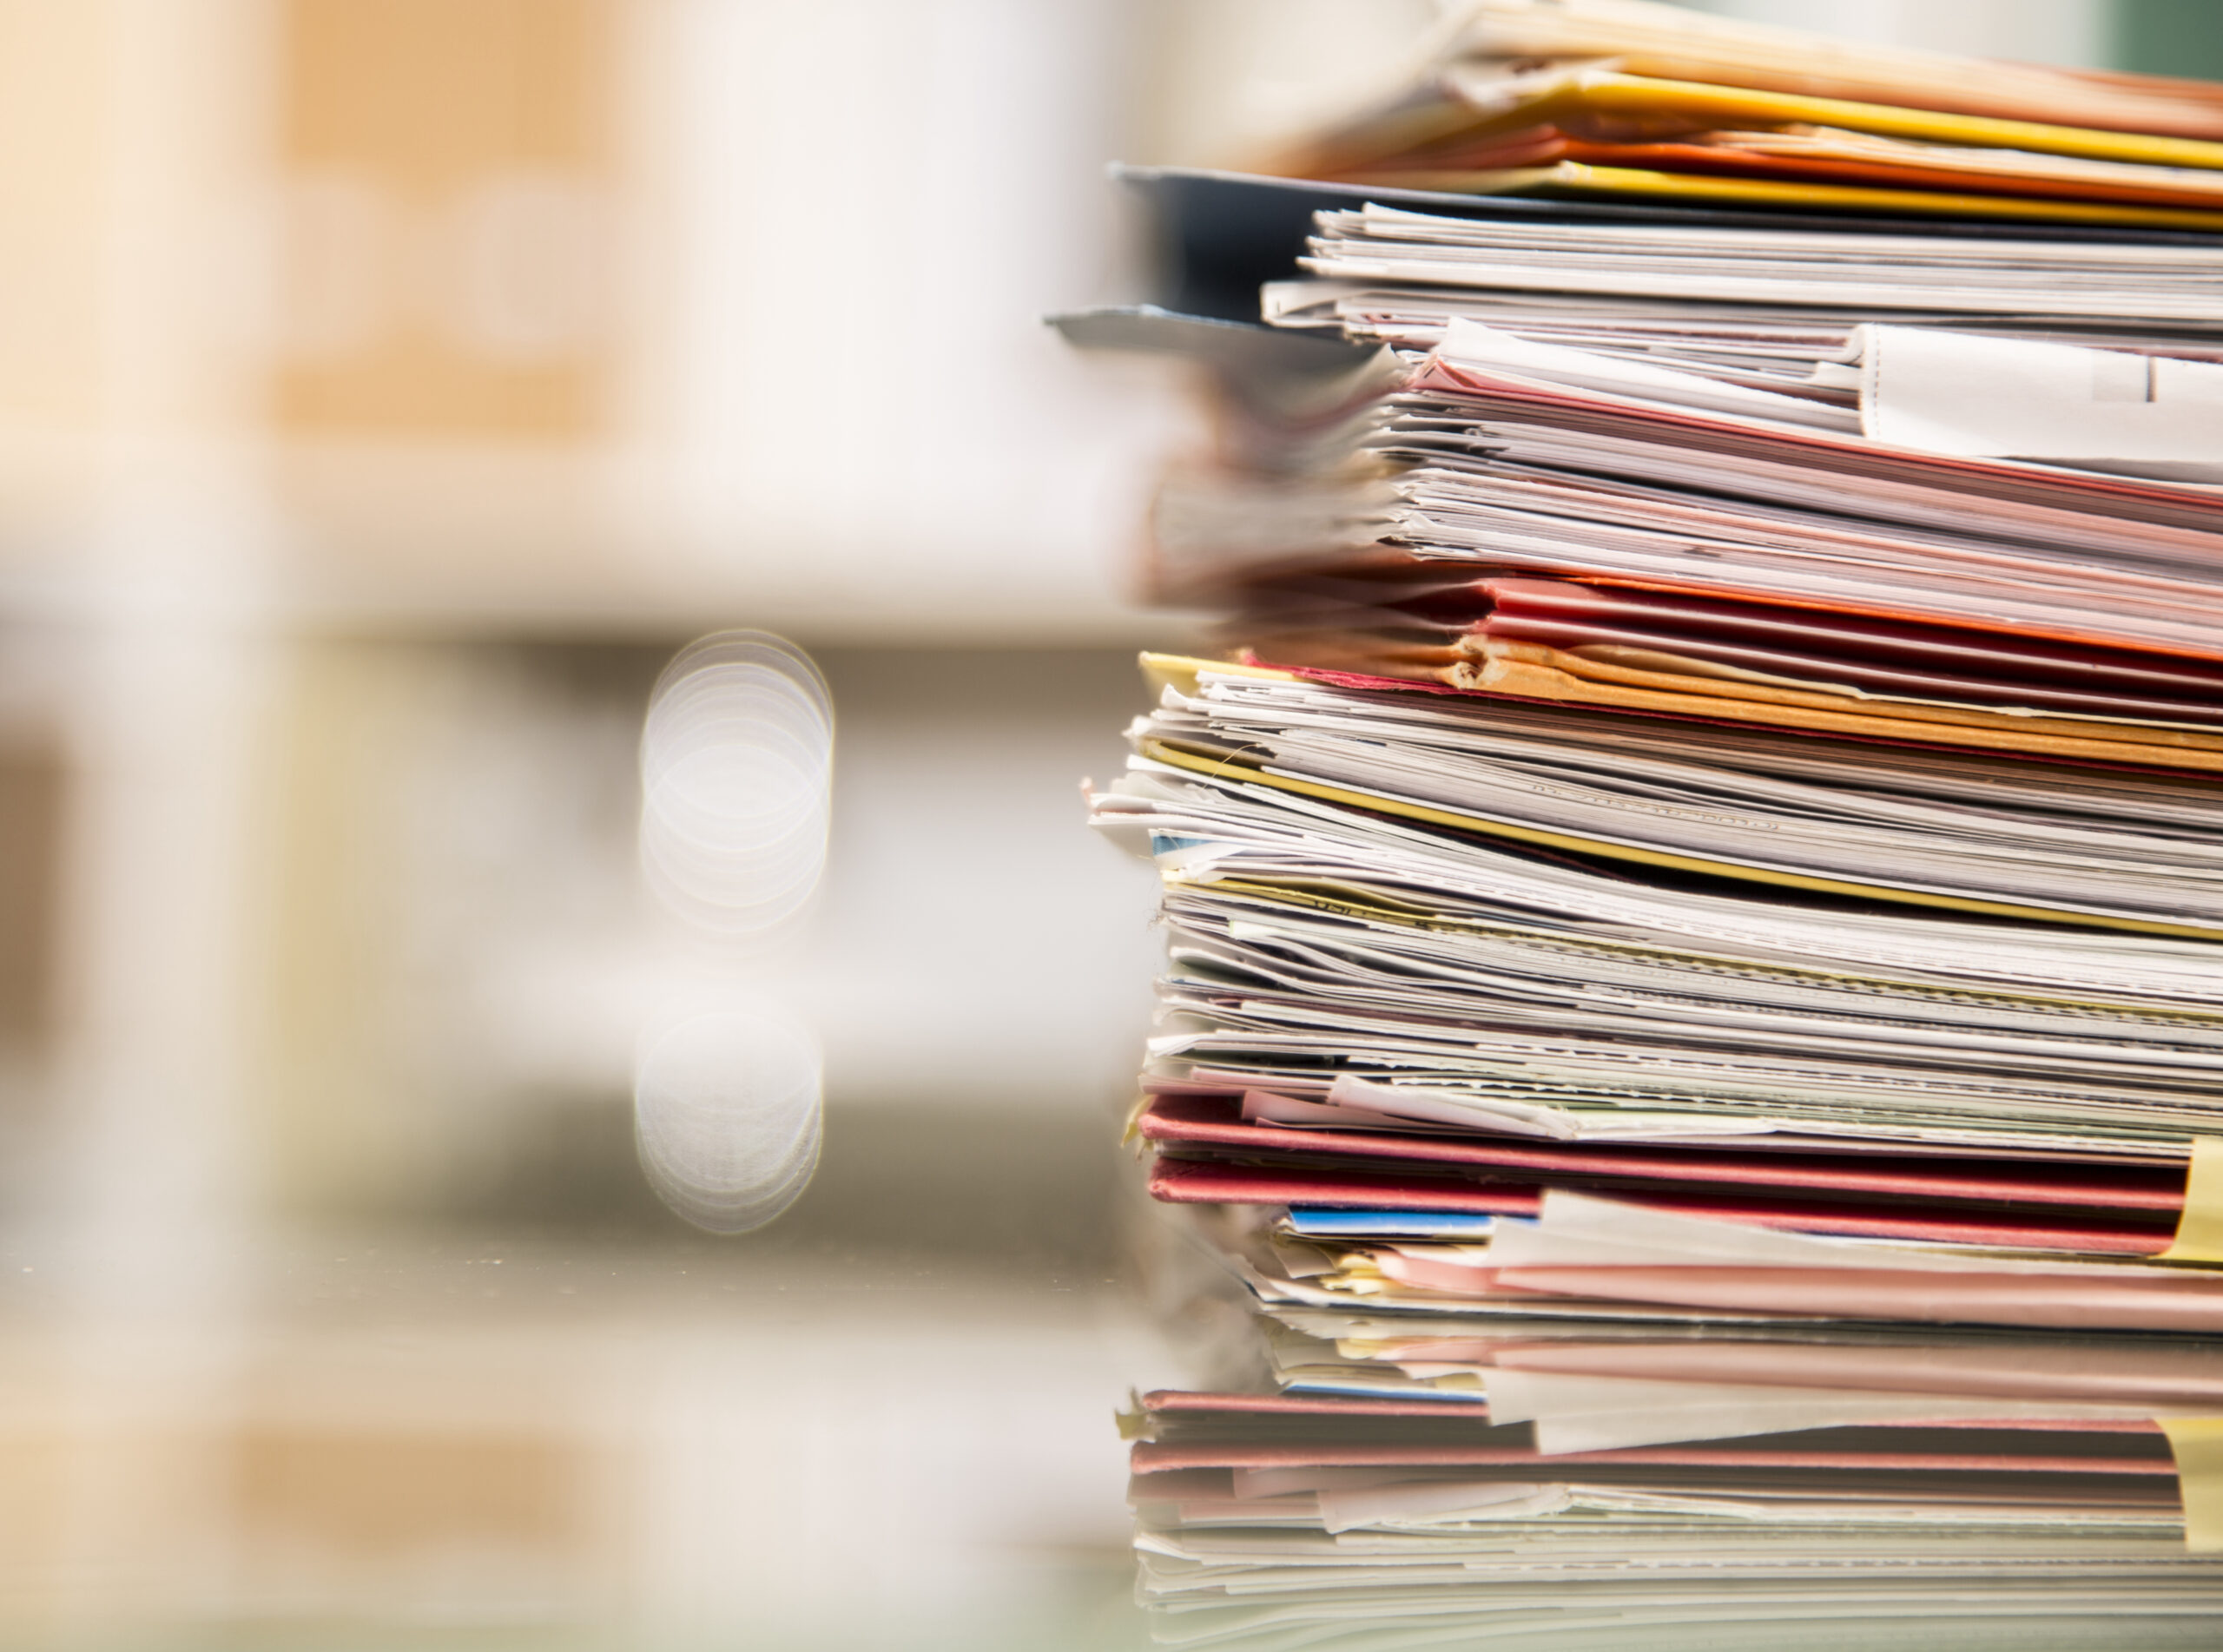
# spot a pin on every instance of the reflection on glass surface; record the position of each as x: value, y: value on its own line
x: 1421, y: 1480
x: 389, y: 389
x: 728, y: 1117
x: 442, y: 1367
x: 545, y: 1442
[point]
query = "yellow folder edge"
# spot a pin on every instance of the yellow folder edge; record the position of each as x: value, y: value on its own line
x: 1225, y: 768
x: 1642, y: 96
x: 1179, y: 671
x: 1581, y: 178
x: 2197, y: 1444
x: 1376, y: 146
x: 2200, y: 1228
x: 1773, y: 192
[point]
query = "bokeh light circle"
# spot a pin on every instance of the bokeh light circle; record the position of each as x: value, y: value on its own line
x: 736, y: 783
x: 727, y: 1116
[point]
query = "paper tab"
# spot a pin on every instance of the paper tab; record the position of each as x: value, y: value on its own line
x: 2200, y: 1228
x: 2197, y: 1444
x: 1958, y: 392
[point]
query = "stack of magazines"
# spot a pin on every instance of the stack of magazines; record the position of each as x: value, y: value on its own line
x: 1695, y: 999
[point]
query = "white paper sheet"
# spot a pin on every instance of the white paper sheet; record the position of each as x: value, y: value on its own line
x: 1956, y: 393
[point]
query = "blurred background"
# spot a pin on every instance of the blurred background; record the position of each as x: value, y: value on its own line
x: 389, y: 389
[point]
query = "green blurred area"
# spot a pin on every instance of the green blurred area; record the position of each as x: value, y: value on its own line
x: 2182, y: 37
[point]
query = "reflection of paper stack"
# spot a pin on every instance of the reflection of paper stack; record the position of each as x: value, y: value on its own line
x: 1433, y: 1482
x: 1708, y: 837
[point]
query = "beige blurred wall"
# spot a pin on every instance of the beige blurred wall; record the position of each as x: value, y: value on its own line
x: 448, y: 169
x: 54, y: 95
x: 355, y: 345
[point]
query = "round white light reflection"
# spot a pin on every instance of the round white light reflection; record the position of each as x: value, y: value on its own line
x: 737, y: 782
x: 727, y: 1116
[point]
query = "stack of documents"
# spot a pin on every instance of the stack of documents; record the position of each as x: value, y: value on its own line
x: 1606, y: 1004
x: 1695, y: 883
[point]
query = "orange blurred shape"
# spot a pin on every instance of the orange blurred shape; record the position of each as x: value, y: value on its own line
x: 449, y: 170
